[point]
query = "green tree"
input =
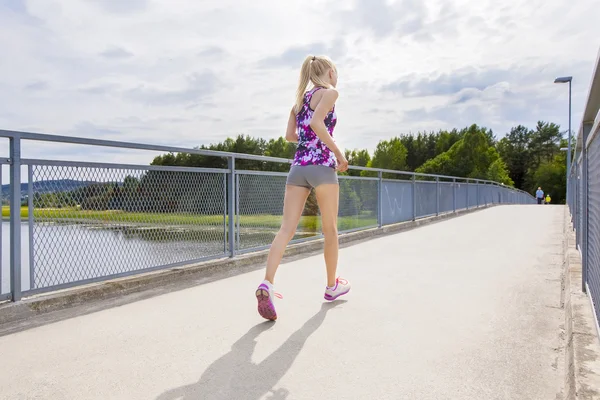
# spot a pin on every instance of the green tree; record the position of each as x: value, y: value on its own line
x: 241, y: 144
x: 279, y: 148
x: 359, y: 158
x: 390, y: 154
x: 551, y: 177
x: 498, y: 172
x: 544, y: 142
x: 471, y: 156
x: 514, y: 150
x: 446, y: 140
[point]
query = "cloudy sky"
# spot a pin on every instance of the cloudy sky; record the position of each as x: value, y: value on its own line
x: 191, y: 72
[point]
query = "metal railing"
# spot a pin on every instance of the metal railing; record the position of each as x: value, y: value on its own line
x: 584, y: 188
x: 584, y: 205
x: 74, y: 223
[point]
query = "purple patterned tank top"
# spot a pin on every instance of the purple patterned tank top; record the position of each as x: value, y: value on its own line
x: 311, y: 150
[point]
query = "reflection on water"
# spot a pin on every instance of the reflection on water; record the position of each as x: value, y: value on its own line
x: 67, y: 252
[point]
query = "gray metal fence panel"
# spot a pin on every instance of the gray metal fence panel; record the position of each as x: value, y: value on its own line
x: 358, y: 203
x: 259, y: 213
x: 461, y: 196
x: 472, y: 195
x: 495, y: 197
x: 446, y: 197
x: 581, y: 197
x: 426, y: 199
x: 593, y: 235
x: 260, y: 208
x: 482, y: 190
x: 575, y: 200
x: 503, y: 196
x: 489, y: 194
x: 396, y: 202
x: 90, y: 223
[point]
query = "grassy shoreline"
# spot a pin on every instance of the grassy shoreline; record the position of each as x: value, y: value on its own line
x: 268, y: 221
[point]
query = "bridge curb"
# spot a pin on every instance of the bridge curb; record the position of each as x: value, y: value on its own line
x: 187, y: 276
x: 582, y: 354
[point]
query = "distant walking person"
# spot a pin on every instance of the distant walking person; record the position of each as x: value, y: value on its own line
x: 311, y: 123
x: 548, y: 198
x: 539, y: 195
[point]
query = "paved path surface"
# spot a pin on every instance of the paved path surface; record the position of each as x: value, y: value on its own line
x: 468, y: 308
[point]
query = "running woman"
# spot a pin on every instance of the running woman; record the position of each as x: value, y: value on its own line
x: 311, y: 123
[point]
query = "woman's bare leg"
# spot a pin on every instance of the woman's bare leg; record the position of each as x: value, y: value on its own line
x: 293, y: 205
x: 328, y: 198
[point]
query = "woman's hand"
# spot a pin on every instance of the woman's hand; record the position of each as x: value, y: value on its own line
x: 342, y: 163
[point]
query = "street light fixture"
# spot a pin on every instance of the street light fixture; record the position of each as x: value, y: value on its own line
x: 567, y: 79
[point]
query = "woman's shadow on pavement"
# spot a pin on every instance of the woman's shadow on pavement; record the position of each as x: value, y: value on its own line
x: 235, y: 377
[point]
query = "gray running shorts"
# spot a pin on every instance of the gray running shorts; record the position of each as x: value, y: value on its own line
x: 311, y: 176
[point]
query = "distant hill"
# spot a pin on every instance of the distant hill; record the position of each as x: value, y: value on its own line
x: 59, y: 185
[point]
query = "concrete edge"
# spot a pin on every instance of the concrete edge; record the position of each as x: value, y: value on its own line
x: 582, y: 348
x: 45, y: 303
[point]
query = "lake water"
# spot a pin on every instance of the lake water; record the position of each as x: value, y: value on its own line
x: 72, y: 252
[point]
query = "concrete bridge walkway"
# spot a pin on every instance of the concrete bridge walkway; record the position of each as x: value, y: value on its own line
x: 468, y: 308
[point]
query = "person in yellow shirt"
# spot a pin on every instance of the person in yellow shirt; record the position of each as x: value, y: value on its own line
x: 548, y: 198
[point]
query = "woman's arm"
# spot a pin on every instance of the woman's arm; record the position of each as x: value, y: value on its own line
x: 290, y: 134
x: 318, y: 125
x: 318, y: 120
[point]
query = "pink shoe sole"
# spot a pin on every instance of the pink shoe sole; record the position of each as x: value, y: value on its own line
x: 266, y: 309
x: 332, y: 298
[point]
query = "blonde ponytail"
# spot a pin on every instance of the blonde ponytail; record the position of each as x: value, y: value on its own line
x: 303, y: 83
x: 313, y: 69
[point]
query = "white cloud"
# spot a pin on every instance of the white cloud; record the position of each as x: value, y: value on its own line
x: 186, y: 72
x: 116, y: 53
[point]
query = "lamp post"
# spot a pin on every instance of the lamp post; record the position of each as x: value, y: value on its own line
x: 567, y: 79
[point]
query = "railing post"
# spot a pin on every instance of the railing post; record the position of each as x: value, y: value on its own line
x: 380, y: 200
x: 585, y: 204
x: 414, y: 193
x: 15, y: 218
x: 437, y: 196
x: 454, y: 195
x: 477, y: 192
x: 231, y: 205
x: 31, y: 225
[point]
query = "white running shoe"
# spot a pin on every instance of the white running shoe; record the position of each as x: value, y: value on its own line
x: 265, y: 296
x: 341, y: 287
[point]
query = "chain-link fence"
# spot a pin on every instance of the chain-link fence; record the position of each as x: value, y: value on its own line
x: 593, y: 223
x: 359, y: 199
x: 584, y: 205
x: 583, y: 196
x: 88, y: 222
x: 73, y: 223
x: 259, y: 210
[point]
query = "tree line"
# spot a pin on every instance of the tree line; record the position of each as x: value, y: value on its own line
x: 524, y: 158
